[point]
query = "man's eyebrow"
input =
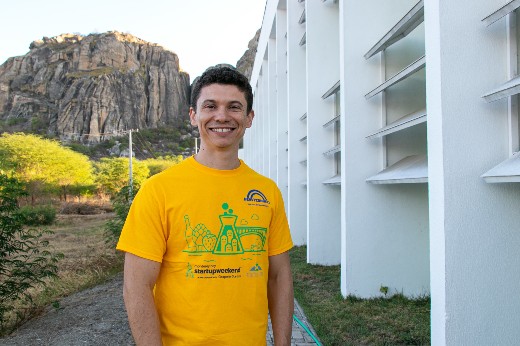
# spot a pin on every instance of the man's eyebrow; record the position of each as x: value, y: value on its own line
x: 232, y: 102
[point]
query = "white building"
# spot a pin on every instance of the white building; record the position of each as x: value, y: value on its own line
x: 392, y: 130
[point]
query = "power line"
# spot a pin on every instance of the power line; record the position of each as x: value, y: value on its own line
x: 144, y: 144
x: 137, y: 148
x: 118, y: 133
x: 121, y: 133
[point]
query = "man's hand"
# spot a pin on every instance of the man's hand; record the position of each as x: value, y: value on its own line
x: 281, y: 298
x: 139, y: 281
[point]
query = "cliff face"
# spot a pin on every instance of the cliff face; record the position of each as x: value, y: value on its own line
x: 83, y: 87
x: 246, y: 62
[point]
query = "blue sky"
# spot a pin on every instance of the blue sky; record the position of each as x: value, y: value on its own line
x: 201, y: 32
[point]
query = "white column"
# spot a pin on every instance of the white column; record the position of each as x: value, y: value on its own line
x: 385, y: 227
x: 323, y: 201
x: 272, y: 114
x: 281, y: 97
x: 475, y: 237
x: 296, y: 104
x: 264, y: 118
x: 342, y: 59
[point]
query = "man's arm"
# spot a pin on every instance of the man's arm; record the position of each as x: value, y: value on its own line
x: 139, y: 280
x: 281, y: 298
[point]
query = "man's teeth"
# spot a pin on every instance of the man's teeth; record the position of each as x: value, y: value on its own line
x: 221, y: 130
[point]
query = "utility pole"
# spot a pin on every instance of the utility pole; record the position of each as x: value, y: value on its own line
x: 130, y: 173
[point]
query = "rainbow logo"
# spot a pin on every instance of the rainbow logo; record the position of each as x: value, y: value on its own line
x: 256, y: 196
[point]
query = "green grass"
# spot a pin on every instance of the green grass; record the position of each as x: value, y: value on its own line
x: 395, y: 320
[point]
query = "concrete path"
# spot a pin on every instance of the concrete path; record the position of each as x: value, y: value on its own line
x: 300, y: 337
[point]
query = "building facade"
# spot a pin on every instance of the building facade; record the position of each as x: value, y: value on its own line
x: 392, y: 129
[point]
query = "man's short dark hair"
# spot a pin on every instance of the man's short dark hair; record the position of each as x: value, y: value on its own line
x: 222, y: 74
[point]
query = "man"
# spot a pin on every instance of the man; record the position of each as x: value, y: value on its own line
x: 206, y: 241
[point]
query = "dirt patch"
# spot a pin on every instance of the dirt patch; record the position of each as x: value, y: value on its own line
x: 92, y: 317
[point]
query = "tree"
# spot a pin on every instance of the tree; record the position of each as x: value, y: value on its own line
x: 112, y: 174
x: 74, y: 173
x: 161, y: 163
x: 44, y: 165
x: 24, y: 260
x: 121, y: 202
x: 122, y: 199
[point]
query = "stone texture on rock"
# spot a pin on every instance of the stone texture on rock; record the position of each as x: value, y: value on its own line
x: 87, y: 86
x: 246, y: 62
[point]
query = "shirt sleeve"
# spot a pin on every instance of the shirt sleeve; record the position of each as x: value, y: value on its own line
x: 144, y: 233
x: 280, y: 239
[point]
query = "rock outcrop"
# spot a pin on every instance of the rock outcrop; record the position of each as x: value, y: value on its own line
x: 84, y: 87
x: 246, y: 62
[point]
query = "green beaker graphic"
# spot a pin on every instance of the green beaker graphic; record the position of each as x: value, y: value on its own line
x: 228, y: 241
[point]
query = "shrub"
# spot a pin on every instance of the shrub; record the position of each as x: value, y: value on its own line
x: 24, y: 259
x: 44, y: 165
x: 112, y: 173
x: 38, y: 215
x: 121, y: 202
x: 88, y: 208
x: 16, y: 121
x: 157, y: 165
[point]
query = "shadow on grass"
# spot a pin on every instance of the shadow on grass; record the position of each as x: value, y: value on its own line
x: 395, y: 320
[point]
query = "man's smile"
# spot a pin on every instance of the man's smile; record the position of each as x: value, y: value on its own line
x: 221, y: 129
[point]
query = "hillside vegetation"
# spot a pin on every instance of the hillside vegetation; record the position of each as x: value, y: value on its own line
x: 50, y: 170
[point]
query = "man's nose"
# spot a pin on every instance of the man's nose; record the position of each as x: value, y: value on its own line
x: 221, y: 114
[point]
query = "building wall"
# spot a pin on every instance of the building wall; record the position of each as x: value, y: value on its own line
x: 282, y: 172
x: 297, y: 108
x: 323, y: 201
x: 455, y: 236
x: 386, y: 226
x: 474, y: 228
x: 272, y: 117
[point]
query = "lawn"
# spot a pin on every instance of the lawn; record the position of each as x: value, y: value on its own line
x: 393, y: 320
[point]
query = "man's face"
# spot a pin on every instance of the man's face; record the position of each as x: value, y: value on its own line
x: 221, y: 117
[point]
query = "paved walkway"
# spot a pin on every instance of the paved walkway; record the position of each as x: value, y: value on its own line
x: 300, y: 337
x: 97, y: 317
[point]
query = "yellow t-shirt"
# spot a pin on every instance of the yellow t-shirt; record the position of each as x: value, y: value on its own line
x: 213, y: 231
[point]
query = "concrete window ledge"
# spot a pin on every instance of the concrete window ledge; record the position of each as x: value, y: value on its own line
x: 410, y: 170
x: 505, y: 172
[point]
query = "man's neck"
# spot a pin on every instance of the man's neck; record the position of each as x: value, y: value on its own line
x: 218, y: 160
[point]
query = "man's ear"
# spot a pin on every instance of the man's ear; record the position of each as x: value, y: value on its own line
x: 250, y: 117
x: 193, y: 116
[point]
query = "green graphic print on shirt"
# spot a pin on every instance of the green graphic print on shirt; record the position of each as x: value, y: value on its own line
x: 231, y: 239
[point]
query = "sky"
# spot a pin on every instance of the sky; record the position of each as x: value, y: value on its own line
x: 201, y: 32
